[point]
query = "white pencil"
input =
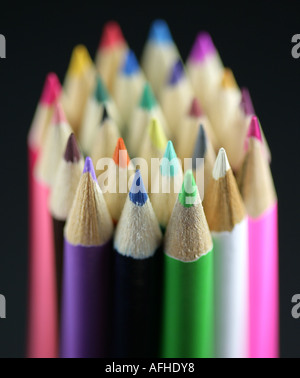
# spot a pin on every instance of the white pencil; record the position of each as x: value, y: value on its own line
x: 226, y: 217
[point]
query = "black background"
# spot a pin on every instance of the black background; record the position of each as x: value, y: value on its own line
x: 253, y: 38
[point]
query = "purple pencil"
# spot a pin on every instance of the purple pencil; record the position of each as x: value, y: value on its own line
x: 87, y: 272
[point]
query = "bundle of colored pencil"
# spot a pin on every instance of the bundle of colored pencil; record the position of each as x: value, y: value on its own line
x: 169, y: 248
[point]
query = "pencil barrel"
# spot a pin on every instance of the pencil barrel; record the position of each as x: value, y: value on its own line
x: 188, y: 308
x: 85, y: 327
x: 58, y: 232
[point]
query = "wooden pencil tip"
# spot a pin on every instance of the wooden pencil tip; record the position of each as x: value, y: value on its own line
x: 112, y: 35
x: 157, y: 135
x: 160, y: 32
x: 200, y: 147
x: 80, y: 61
x: 254, y: 130
x: 101, y: 94
x: 202, y: 47
x: 195, y: 109
x: 228, y: 79
x: 121, y: 159
x: 59, y: 115
x: 177, y: 73
x: 222, y: 165
x: 138, y: 194
x: 148, y: 100
x: 131, y: 65
x: 51, y: 91
x: 72, y: 153
x: 89, y: 168
x: 246, y: 103
x: 188, y: 195
x: 169, y: 165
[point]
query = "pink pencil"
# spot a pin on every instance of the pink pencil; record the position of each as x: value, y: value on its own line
x: 42, y: 326
x: 257, y: 188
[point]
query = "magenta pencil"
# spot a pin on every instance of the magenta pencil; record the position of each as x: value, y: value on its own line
x: 87, y: 273
x: 257, y: 188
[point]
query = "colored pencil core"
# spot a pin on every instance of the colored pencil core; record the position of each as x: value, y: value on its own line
x: 170, y: 156
x: 188, y: 194
x: 200, y: 147
x: 157, y: 135
x: 101, y: 95
x: 177, y: 73
x: 89, y: 168
x: 148, y: 100
x: 203, y: 47
x: 80, y: 61
x: 254, y: 129
x: 195, y: 110
x: 72, y: 153
x: 228, y: 80
x: 123, y: 163
x: 51, y: 90
x: 246, y: 102
x: 160, y: 32
x: 138, y: 194
x: 112, y: 35
x: 131, y: 65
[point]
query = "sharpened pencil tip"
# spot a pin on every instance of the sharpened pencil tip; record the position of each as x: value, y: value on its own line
x: 89, y: 168
x: 138, y: 194
x: 188, y: 195
x: 200, y: 147
x: 246, y: 103
x: 169, y: 165
x: 195, y: 109
x: 157, y: 135
x: 72, y: 153
x: 202, y: 47
x: 101, y: 95
x: 131, y: 65
x: 121, y: 158
x: 222, y: 165
x: 51, y: 90
x: 228, y: 79
x: 111, y: 36
x: 80, y: 61
x: 160, y: 32
x: 148, y: 100
x: 177, y: 73
x: 254, y: 130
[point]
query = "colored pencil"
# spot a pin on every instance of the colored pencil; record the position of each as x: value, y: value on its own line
x: 78, y: 85
x: 188, y: 316
x: 105, y: 139
x: 41, y: 334
x: 87, y: 267
x: 166, y: 186
x: 111, y: 53
x: 61, y: 200
x: 137, y: 239
x: 205, y: 69
x: 202, y: 170
x: 224, y: 109
x: 128, y: 86
x: 147, y: 108
x: 160, y: 54
x: 94, y: 112
x: 257, y: 188
x: 187, y: 133
x: 176, y: 96
x: 152, y: 147
x: 123, y: 169
x: 227, y: 220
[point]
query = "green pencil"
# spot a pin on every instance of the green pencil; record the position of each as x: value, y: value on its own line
x: 188, y: 322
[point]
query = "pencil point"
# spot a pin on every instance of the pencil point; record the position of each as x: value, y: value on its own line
x: 101, y: 95
x: 202, y: 47
x: 170, y: 164
x: 195, y: 110
x: 59, y: 115
x: 138, y: 194
x: 51, y: 90
x: 122, y: 159
x: 200, y: 147
x: 160, y: 32
x: 228, y: 80
x: 246, y: 102
x: 222, y: 165
x: 254, y: 130
x: 188, y: 195
x: 89, y: 168
x: 148, y: 100
x: 157, y: 135
x: 80, y: 61
x: 72, y: 153
x: 177, y: 72
x: 112, y: 35
x: 131, y: 65
x: 105, y: 115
